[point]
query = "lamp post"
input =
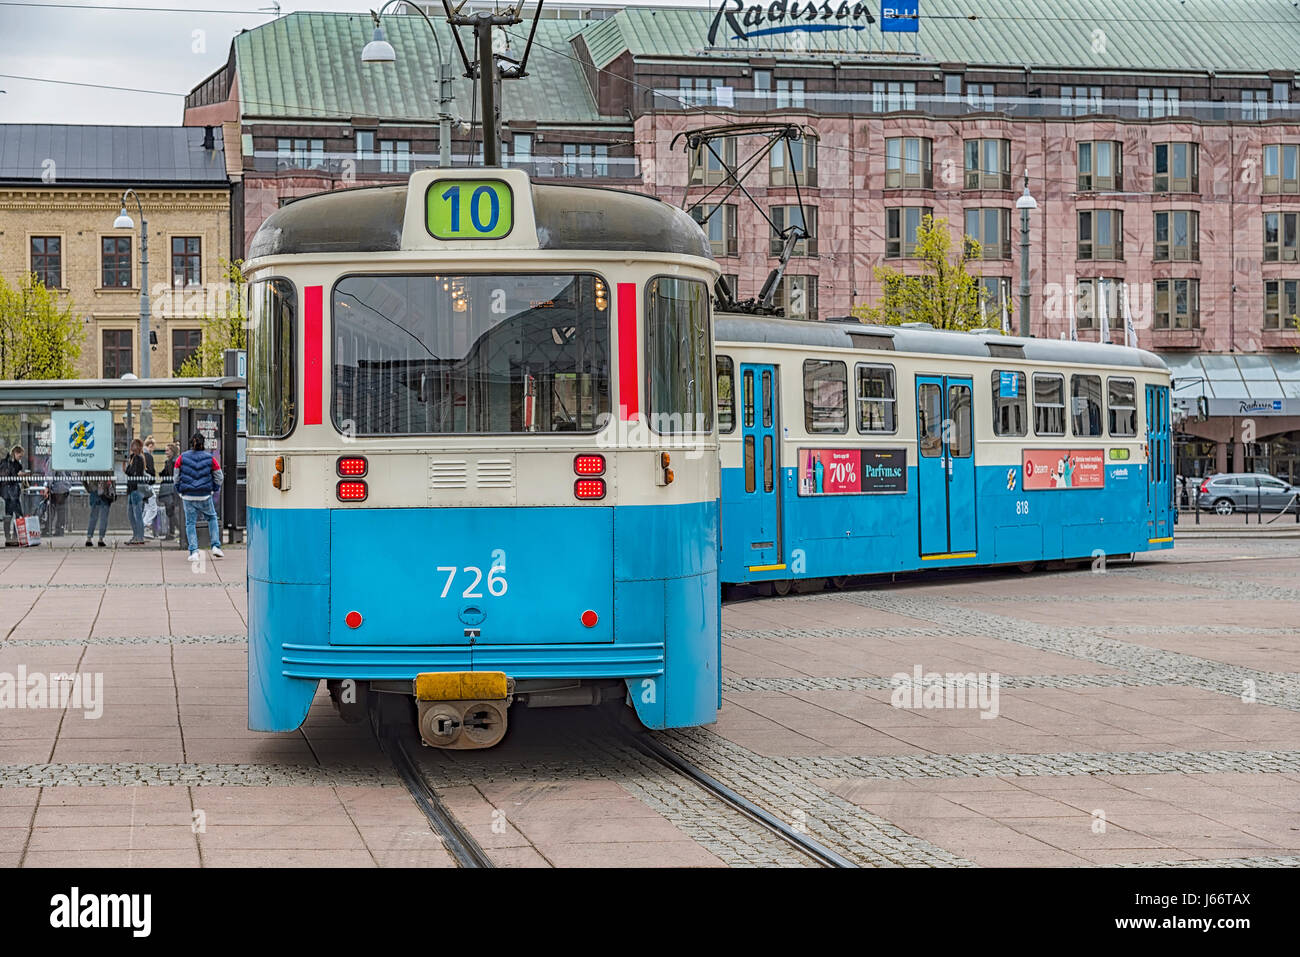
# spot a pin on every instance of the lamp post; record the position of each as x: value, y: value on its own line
x: 124, y: 221
x: 379, y: 50
x: 1025, y: 203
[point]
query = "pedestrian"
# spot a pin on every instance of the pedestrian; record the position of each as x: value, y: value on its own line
x: 149, y: 490
x: 198, y: 476
x: 135, y: 477
x: 101, y: 488
x: 11, y: 491
x: 58, y: 493
x: 167, y: 496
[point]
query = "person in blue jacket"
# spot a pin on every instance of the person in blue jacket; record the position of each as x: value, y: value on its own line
x: 198, y: 476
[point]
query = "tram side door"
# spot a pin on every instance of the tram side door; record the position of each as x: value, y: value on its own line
x: 945, y: 466
x: 1159, y: 479
x: 760, y: 458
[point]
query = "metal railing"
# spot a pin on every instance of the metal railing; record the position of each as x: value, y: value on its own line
x: 349, y: 165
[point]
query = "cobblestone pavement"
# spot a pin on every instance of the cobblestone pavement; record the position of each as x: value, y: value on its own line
x: 1146, y: 714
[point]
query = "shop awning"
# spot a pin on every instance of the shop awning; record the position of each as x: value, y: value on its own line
x: 1237, y: 384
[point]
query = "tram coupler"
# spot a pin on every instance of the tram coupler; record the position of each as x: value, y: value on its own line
x: 463, y: 710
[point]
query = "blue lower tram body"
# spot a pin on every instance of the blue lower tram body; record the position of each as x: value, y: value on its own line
x: 486, y: 589
x: 864, y: 534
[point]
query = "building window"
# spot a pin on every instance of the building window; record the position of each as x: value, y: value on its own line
x: 719, y: 223
x: 185, y: 343
x: 1121, y: 406
x: 995, y: 301
x: 1085, y: 405
x: 888, y: 97
x: 952, y: 83
x: 47, y: 260
x: 1101, y: 234
x: 1080, y: 100
x: 991, y: 228
x: 706, y: 161
x: 763, y: 83
x: 116, y: 353
x: 825, y: 396
x: 789, y: 93
x: 394, y: 156
x: 726, y: 373
x: 988, y: 164
x: 115, y: 262
x: 1281, y: 303
x: 908, y: 163
x: 365, y: 144
x: 1009, y: 403
x: 796, y: 297
x: 300, y: 153
x: 1254, y: 104
x: 697, y: 90
x: 979, y: 96
x: 522, y: 147
x: 1177, y: 304
x: 876, y: 399
x: 794, y: 163
x: 586, y: 159
x: 186, y: 262
x: 1281, y: 172
x: 1155, y: 102
x: 1090, y: 294
x: 1281, y: 92
x: 1049, y: 404
x: 1178, y: 236
x: 1176, y: 168
x: 1280, y: 237
x: 733, y: 283
x: 1101, y: 165
x: 783, y: 217
x: 901, y: 225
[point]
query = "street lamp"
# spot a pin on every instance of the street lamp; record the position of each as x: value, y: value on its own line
x: 379, y: 50
x: 124, y: 221
x: 1025, y: 203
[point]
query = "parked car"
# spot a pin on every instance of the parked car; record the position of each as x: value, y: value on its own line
x: 1247, y: 492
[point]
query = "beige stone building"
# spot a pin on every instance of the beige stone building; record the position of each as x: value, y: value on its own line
x: 61, y: 189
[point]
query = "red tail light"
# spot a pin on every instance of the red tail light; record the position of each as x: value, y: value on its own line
x: 589, y: 488
x: 352, y: 491
x: 1205, y: 487
x: 352, y: 466
x: 589, y: 465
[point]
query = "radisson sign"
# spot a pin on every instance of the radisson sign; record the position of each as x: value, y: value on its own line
x: 744, y: 22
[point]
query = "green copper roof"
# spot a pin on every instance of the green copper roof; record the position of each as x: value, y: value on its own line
x: 309, y: 65
x: 1226, y: 36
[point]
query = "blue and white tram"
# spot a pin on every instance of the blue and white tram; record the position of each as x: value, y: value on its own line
x: 482, y: 457
x: 849, y: 449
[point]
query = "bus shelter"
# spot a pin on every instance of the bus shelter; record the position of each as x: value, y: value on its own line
x: 107, y: 414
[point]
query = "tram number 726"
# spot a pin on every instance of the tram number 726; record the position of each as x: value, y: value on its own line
x: 496, y: 580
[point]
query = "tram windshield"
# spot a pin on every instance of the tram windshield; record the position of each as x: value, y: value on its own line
x: 470, y: 353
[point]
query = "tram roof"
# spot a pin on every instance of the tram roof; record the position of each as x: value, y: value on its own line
x: 851, y: 334
x: 369, y: 219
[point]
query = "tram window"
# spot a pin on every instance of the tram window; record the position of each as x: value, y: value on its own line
x: 1010, y: 407
x: 726, y: 394
x: 929, y: 400
x: 1049, y: 404
x: 767, y: 463
x: 825, y: 396
x: 678, y: 386
x: 1122, y: 404
x: 273, y: 305
x: 767, y: 399
x: 747, y: 400
x: 424, y: 354
x: 876, y: 400
x: 959, y: 411
x: 749, y: 463
x: 1085, y: 404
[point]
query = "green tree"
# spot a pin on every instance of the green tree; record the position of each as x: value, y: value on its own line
x: 226, y: 328
x: 40, y: 337
x: 945, y: 294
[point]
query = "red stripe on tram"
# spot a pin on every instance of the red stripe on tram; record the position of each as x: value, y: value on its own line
x: 628, y: 379
x: 312, y: 346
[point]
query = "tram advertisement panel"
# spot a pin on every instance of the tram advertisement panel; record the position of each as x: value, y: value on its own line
x: 852, y: 471
x: 1064, y: 468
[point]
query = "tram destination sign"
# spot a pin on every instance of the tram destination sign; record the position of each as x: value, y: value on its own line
x: 852, y: 471
x: 469, y: 209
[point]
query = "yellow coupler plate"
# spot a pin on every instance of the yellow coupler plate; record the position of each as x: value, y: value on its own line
x: 461, y: 685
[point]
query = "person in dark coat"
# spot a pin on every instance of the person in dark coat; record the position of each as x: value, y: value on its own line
x: 11, y: 491
x: 102, y: 489
x: 135, y: 480
x: 198, y: 476
x: 167, y: 497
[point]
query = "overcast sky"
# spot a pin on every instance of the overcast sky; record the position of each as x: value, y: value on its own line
x: 127, y: 44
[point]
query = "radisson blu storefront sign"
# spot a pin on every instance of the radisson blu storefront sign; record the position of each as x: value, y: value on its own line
x: 738, y: 20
